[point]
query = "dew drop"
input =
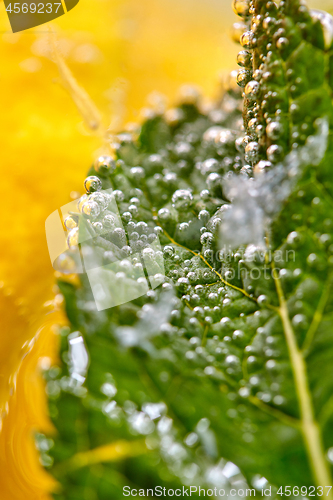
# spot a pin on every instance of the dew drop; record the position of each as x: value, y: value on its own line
x: 252, y: 90
x: 182, y: 198
x: 92, y: 183
x: 73, y: 238
x: 241, y: 7
x: 248, y: 40
x: 243, y: 77
x: 252, y: 151
x: 71, y: 222
x: 274, y: 130
x: 90, y: 209
x: 164, y: 214
x: 274, y: 153
x: 282, y: 43
x: 244, y: 58
x: 104, y: 164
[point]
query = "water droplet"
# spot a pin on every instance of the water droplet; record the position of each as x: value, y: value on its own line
x: 164, y: 214
x: 269, y: 24
x: 102, y: 199
x: 206, y: 238
x: 90, y: 209
x: 252, y: 151
x: 211, y: 133
x: 71, y: 222
x: 241, y: 7
x: 252, y: 90
x: 274, y: 130
x: 243, y: 77
x: 248, y: 40
x: 213, y: 180
x: 192, y: 438
x: 205, y: 194
x: 244, y: 58
x: 274, y: 153
x: 118, y: 195
x: 109, y: 221
x: 262, y: 167
x: 293, y: 238
x: 182, y: 198
x: 204, y: 216
x: 137, y: 173
x: 282, y: 43
x: 263, y: 300
x: 105, y: 164
x: 92, y: 183
x: 252, y: 126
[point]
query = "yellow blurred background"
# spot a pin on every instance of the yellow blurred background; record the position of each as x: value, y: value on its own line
x: 120, y: 51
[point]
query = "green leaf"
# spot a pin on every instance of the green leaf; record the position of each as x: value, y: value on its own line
x: 216, y: 371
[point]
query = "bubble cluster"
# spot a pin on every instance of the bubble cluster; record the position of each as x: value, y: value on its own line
x: 193, y: 214
x: 267, y: 83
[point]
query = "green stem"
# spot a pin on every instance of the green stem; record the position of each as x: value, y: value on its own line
x: 310, y: 428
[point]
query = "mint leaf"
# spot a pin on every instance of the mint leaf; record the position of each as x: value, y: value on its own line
x: 217, y: 371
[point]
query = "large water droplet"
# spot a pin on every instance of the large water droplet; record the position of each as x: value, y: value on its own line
x: 92, y: 183
x: 252, y: 90
x: 73, y: 238
x: 248, y: 40
x: 90, y: 209
x: 241, y: 7
x: 182, y: 198
x: 104, y: 164
x: 71, y: 222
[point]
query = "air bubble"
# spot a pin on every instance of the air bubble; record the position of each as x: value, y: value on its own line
x: 92, y: 183
x: 164, y: 214
x: 104, y: 164
x: 274, y: 153
x: 102, y: 199
x: 244, y: 58
x: 73, y: 238
x: 252, y: 90
x: 182, y: 198
x: 252, y: 151
x: 71, y: 222
x: 262, y: 167
x: 274, y: 130
x: 248, y: 40
x: 243, y: 77
x: 204, y: 216
x: 137, y: 173
x: 241, y: 7
x: 282, y: 43
x: 91, y: 209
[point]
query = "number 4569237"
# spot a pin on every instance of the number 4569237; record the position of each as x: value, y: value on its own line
x: 303, y: 491
x: 33, y: 8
